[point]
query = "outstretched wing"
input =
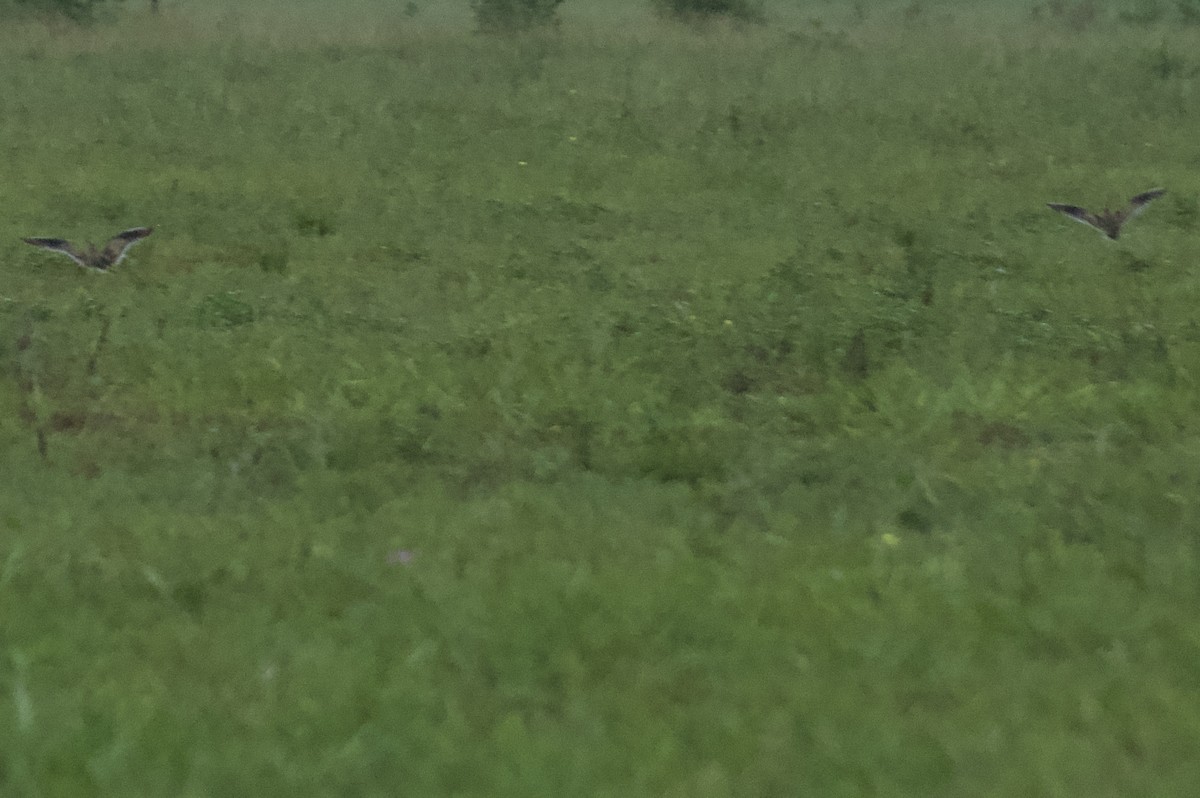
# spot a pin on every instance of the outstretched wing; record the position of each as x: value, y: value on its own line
x: 58, y: 245
x: 118, y: 245
x: 1077, y: 213
x: 1139, y: 203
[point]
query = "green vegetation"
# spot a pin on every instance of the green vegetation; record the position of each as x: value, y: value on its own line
x: 640, y: 410
x: 515, y: 15
x: 704, y: 9
x: 76, y: 10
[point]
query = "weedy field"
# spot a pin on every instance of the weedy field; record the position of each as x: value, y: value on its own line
x: 636, y: 409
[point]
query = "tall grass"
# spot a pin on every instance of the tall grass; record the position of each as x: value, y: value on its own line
x: 652, y: 411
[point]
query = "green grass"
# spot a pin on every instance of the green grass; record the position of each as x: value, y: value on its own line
x: 572, y: 319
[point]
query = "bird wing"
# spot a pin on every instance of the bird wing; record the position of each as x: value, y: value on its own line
x: 118, y: 245
x: 1077, y: 213
x: 58, y: 245
x: 1139, y: 203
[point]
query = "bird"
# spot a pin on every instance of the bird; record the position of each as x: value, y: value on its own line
x: 1106, y: 221
x: 90, y: 257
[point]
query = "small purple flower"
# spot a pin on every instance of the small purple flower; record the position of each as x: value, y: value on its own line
x: 400, y: 557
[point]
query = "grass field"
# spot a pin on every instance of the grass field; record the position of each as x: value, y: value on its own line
x: 633, y: 410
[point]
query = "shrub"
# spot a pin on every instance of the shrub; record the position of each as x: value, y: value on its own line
x: 499, y: 16
x: 744, y: 10
x: 1143, y: 12
x: 77, y: 10
x: 1078, y: 15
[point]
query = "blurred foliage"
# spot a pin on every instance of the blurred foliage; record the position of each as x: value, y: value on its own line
x: 1143, y: 12
x: 515, y: 15
x: 1189, y: 11
x: 77, y: 10
x: 744, y: 10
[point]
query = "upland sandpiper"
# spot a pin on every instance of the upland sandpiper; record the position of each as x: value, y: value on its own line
x: 90, y: 257
x: 1106, y: 221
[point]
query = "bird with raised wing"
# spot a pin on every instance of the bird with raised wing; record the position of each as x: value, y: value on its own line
x: 90, y: 257
x: 1106, y: 221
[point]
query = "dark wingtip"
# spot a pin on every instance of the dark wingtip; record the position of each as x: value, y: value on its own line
x: 1146, y: 196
